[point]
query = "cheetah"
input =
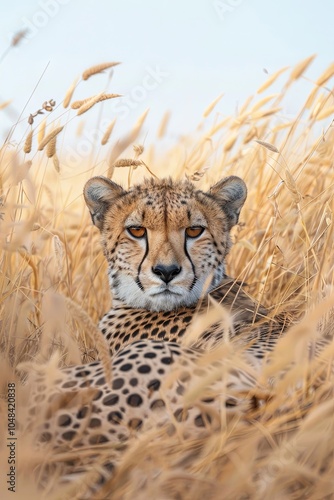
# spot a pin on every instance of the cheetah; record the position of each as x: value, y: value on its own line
x: 166, y: 243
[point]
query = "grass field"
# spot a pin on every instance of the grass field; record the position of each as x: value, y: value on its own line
x: 54, y: 287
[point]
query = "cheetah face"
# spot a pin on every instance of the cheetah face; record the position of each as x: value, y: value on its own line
x: 165, y: 241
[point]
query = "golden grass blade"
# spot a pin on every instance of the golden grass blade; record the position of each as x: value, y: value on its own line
x: 41, y: 131
x: 311, y: 97
x: 212, y: 105
x: 218, y: 126
x: 292, y: 187
x: 138, y: 150
x: 321, y: 115
x: 271, y: 80
x: 49, y: 137
x: 262, y: 102
x: 95, y: 334
x: 127, y: 163
x: 4, y: 104
x: 264, y: 113
x: 51, y: 147
x: 88, y: 104
x: 125, y: 142
x: 69, y: 94
x: 230, y: 141
x: 99, y: 68
x: 28, y: 142
x: 301, y: 67
x: 326, y: 75
x: 267, y: 145
x: 163, y: 125
x: 56, y: 163
x: 108, y: 132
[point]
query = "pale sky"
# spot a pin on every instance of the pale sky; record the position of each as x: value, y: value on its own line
x: 176, y: 55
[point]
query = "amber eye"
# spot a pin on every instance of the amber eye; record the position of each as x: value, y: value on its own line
x: 137, y: 232
x: 194, y: 232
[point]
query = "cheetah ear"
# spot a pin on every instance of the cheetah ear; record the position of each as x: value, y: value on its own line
x: 99, y: 194
x: 231, y: 194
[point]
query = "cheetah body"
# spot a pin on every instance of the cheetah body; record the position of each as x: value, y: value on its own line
x: 165, y: 243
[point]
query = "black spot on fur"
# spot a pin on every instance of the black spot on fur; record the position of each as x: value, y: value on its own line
x: 82, y: 373
x: 45, y: 437
x: 158, y: 403
x: 167, y: 360
x: 94, y: 422
x: 144, y: 369
x: 64, y: 420
x: 117, y: 383
x: 98, y: 395
x: 83, y: 412
x: 69, y: 435
x: 115, y: 417
x: 100, y: 438
x: 134, y: 400
x: 154, y: 385
x: 100, y: 381
x: 150, y: 355
x: 110, y: 400
x: 126, y: 367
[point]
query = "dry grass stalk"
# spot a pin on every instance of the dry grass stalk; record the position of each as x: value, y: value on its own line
x: 264, y: 113
x: 125, y: 142
x: 93, y: 70
x: 69, y: 93
x: 262, y: 102
x: 59, y: 253
x: 56, y: 163
x: 212, y: 105
x: 267, y: 145
x: 28, y: 142
x: 138, y: 149
x: 127, y: 163
x: 108, y: 132
x: 163, y: 125
x: 94, y: 333
x: 41, y: 131
x: 51, y: 147
x: 301, y: 67
x: 321, y: 115
x: 327, y: 74
x: 4, y: 104
x: 271, y: 80
x: 292, y: 187
x: 49, y: 137
x: 88, y: 104
x: 230, y: 141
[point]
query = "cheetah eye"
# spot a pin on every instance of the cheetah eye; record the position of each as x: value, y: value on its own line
x: 137, y: 232
x: 194, y: 231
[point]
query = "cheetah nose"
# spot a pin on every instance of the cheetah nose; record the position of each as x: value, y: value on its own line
x: 166, y: 273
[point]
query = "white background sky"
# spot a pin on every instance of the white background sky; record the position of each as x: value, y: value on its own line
x: 203, y: 47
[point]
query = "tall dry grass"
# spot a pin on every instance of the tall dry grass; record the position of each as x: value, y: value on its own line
x: 54, y: 288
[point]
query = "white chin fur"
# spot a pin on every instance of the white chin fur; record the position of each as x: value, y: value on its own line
x: 129, y: 292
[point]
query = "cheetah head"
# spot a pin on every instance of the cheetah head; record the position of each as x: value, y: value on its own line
x: 165, y: 241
